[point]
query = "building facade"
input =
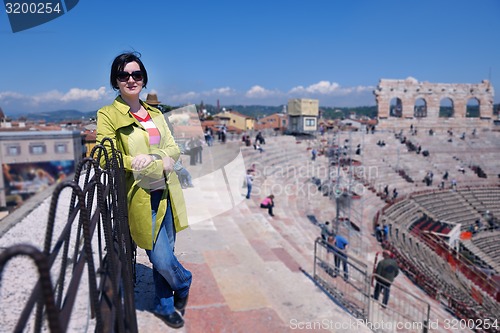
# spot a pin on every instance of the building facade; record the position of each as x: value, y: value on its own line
x: 34, y: 160
x: 303, y: 115
x: 435, y: 104
x: 276, y: 121
x: 236, y: 119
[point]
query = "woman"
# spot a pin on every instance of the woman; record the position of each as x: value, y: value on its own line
x: 156, y: 207
x: 268, y: 203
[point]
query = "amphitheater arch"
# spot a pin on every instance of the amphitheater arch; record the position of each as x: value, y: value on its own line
x: 396, y: 107
x: 446, y: 108
x: 420, y: 108
x: 473, y: 108
x: 409, y: 91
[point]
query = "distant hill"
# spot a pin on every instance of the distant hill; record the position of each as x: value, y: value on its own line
x: 256, y: 111
x: 329, y: 112
x: 59, y: 116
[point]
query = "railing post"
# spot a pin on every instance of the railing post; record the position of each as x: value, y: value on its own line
x: 315, y: 257
x: 368, y: 295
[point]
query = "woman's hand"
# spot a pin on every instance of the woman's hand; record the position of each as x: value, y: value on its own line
x: 168, y: 164
x: 141, y: 161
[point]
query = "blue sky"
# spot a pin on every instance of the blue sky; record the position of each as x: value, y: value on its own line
x: 249, y: 52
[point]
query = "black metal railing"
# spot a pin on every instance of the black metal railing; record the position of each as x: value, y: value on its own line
x: 95, y: 239
x: 353, y: 291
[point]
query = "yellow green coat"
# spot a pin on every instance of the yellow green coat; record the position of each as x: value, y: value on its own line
x: 130, y: 138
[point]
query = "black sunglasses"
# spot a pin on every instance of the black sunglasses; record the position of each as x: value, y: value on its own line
x: 124, y: 76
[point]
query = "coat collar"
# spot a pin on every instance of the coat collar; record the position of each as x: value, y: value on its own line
x: 120, y: 105
x: 123, y: 107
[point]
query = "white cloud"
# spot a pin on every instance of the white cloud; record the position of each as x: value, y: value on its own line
x: 260, y: 92
x: 225, y: 91
x: 328, y: 93
x: 362, y: 89
x: 10, y: 95
x: 192, y: 96
x: 329, y: 89
x: 322, y: 88
x: 186, y: 97
x: 55, y: 96
x: 47, y: 97
x: 144, y: 94
x: 75, y: 98
x: 76, y: 94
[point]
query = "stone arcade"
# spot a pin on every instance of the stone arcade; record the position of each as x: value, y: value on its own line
x: 410, y: 101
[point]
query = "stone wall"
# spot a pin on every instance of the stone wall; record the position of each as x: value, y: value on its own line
x: 409, y: 91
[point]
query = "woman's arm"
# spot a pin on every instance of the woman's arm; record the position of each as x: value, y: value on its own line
x: 141, y: 164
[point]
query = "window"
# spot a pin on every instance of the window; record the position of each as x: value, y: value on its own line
x: 13, y: 150
x: 61, y: 148
x: 310, y: 122
x: 37, y: 149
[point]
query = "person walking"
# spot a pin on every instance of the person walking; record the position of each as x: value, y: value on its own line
x: 156, y: 207
x: 314, y: 153
x: 325, y: 231
x: 340, y: 245
x: 386, y: 271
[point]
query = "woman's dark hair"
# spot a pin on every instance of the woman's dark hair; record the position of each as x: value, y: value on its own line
x: 119, y: 64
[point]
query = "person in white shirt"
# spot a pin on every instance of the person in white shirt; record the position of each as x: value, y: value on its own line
x: 249, y: 181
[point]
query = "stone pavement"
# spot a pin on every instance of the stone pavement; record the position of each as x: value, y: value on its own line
x: 246, y: 266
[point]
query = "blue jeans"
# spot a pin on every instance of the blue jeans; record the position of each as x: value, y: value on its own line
x: 168, y: 273
x: 341, y: 257
x: 184, y: 177
x: 249, y: 190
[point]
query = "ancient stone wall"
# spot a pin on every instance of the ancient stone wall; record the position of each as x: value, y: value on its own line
x: 409, y: 91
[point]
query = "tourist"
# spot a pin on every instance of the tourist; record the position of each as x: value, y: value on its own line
x: 190, y: 149
x: 340, y: 246
x: 385, y: 231
x: 325, y: 231
x: 156, y: 207
x: 268, y: 203
x: 249, y: 182
x: 386, y: 271
x: 184, y: 176
x: 394, y: 194
x: 198, y: 146
x: 259, y: 138
x: 209, y: 136
x: 314, y: 152
x: 379, y: 233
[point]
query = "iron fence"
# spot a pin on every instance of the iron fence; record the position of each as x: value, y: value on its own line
x: 352, y: 288
x: 94, y: 239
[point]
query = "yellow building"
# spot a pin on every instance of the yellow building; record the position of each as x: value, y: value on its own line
x: 236, y: 119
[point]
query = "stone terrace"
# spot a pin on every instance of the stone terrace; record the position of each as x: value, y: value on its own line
x: 247, y: 265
